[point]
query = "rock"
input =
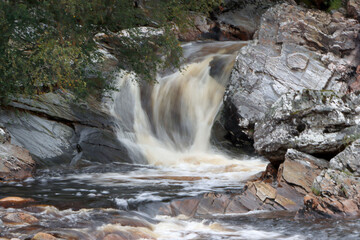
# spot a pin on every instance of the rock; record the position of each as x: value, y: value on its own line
x: 19, y: 218
x: 212, y: 203
x: 186, y: 207
x: 300, y: 170
x: 319, y: 30
x: 43, y: 236
x: 296, y: 49
x: 348, y: 160
x: 353, y: 9
x: 335, y: 194
x: 132, y: 222
x: 243, y: 17
x: 315, y: 122
x: 56, y: 130
x: 15, y: 163
x: 4, y: 136
x: 114, y: 237
x: 202, y: 28
x: 15, y: 202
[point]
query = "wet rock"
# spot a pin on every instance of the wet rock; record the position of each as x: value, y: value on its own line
x: 15, y: 202
x: 19, y: 218
x: 43, y: 236
x: 348, y: 160
x: 316, y: 122
x: 243, y: 203
x: 55, y: 129
x: 15, y: 163
x: 114, y: 237
x: 132, y: 222
x: 118, y: 232
x: 353, y: 9
x: 186, y: 207
x: 297, y: 49
x: 212, y: 203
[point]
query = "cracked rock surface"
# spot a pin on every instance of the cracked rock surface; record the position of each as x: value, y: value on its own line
x: 295, y: 49
x: 15, y: 161
x: 315, y: 122
x: 57, y: 130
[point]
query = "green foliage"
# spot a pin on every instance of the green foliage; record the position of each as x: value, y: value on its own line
x: 334, y: 4
x: 316, y: 191
x: 326, y: 5
x: 49, y: 44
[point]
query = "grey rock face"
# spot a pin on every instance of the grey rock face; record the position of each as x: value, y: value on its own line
x: 243, y: 16
x: 15, y: 162
x: 297, y: 49
x: 348, y: 160
x: 353, y: 8
x: 4, y: 136
x: 317, y: 122
x: 55, y: 130
x: 316, y: 29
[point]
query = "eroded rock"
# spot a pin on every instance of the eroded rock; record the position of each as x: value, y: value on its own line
x: 348, y: 160
x: 300, y: 170
x: 20, y: 218
x: 43, y: 236
x: 353, y: 9
x: 297, y: 49
x: 315, y: 122
x: 335, y: 194
x: 56, y: 130
x: 15, y: 162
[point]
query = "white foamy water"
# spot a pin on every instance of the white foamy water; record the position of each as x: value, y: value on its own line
x: 169, y: 124
x: 184, y: 228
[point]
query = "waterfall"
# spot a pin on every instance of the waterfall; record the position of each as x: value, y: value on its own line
x: 169, y: 123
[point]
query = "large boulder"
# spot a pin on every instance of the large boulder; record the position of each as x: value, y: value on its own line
x: 57, y: 130
x: 315, y: 122
x: 15, y: 162
x: 296, y: 49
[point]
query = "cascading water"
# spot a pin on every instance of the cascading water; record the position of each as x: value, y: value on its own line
x: 169, y: 123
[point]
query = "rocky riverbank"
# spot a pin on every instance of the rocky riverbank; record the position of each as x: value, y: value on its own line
x: 293, y: 94
x: 296, y: 87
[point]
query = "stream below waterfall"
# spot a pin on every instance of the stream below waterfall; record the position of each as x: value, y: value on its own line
x: 166, y: 129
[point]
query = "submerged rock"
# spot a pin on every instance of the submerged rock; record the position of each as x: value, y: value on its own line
x: 296, y: 49
x: 315, y: 122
